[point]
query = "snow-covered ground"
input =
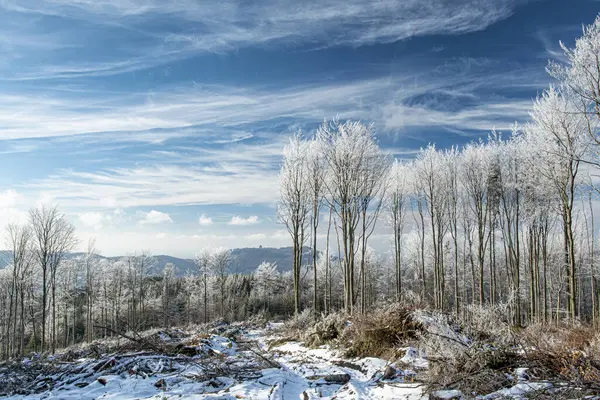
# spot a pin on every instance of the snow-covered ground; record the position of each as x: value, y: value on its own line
x: 234, y: 362
x: 244, y: 368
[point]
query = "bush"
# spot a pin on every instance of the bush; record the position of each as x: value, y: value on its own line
x: 379, y: 333
x: 374, y: 334
x: 301, y: 321
x: 490, y: 323
x: 326, y: 330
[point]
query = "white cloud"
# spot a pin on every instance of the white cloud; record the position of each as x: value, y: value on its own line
x: 11, y: 207
x: 9, y: 198
x: 204, y: 220
x: 154, y: 217
x: 237, y: 220
x: 93, y: 220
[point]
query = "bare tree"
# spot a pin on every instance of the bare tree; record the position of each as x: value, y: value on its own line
x: 19, y: 241
x: 374, y: 181
x: 54, y: 237
x: 475, y: 180
x: 90, y: 264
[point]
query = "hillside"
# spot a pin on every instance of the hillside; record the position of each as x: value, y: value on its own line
x: 243, y: 260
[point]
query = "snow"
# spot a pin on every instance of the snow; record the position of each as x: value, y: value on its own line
x: 415, y: 358
x: 518, y: 391
x: 521, y: 374
x: 286, y: 371
x: 365, y: 375
x: 242, y: 362
x: 448, y: 394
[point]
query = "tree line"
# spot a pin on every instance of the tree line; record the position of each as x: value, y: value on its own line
x: 497, y: 220
x: 51, y: 298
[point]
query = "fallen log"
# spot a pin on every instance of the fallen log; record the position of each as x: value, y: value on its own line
x: 339, y: 379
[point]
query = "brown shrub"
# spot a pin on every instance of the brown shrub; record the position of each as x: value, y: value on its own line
x: 379, y: 333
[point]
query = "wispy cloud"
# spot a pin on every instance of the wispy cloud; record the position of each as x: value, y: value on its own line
x: 478, y: 118
x: 160, y: 186
x: 184, y: 111
x: 227, y: 164
x: 189, y: 27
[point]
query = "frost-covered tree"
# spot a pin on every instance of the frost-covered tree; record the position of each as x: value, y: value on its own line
x: 203, y: 261
x: 352, y: 155
x: 374, y: 181
x: 167, y: 292
x: 559, y: 136
x: 219, y: 267
x: 397, y: 206
x: 580, y: 75
x: 19, y: 241
x: 267, y: 278
x: 431, y: 183
x: 294, y: 205
x: 474, y: 177
x: 316, y: 168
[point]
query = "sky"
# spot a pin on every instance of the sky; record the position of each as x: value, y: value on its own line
x: 160, y: 125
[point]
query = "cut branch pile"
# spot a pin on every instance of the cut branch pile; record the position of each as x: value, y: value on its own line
x: 173, y: 355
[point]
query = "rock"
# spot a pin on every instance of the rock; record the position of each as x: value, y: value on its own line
x: 102, y: 381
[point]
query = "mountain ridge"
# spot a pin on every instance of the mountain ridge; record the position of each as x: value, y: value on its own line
x: 243, y: 260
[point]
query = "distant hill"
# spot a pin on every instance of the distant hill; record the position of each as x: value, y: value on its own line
x: 243, y: 260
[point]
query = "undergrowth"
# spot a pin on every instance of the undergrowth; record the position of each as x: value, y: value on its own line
x: 476, y: 353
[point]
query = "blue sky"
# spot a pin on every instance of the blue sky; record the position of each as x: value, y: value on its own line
x: 159, y: 124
